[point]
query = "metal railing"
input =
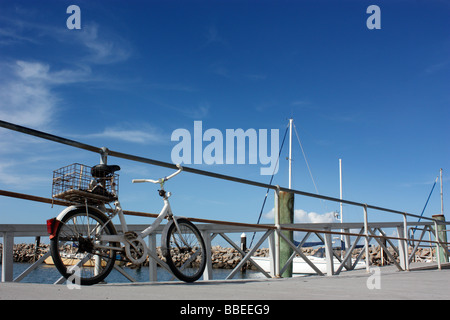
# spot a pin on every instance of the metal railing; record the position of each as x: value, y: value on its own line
x: 335, y: 263
x: 366, y: 231
x: 401, y: 257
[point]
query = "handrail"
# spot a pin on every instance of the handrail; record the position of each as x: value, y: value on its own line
x: 102, y: 151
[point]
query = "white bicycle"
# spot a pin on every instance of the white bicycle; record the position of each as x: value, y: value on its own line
x: 83, y: 235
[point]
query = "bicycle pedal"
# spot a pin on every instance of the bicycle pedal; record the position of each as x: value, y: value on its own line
x: 130, y: 235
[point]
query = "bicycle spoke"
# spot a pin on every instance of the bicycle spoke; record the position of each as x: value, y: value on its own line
x: 185, y: 252
x: 76, y: 247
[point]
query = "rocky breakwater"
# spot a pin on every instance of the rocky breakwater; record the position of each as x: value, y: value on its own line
x: 229, y: 258
x: 27, y: 253
x: 378, y: 257
x: 221, y: 258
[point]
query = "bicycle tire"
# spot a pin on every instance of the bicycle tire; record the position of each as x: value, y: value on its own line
x: 72, y: 238
x: 186, y: 262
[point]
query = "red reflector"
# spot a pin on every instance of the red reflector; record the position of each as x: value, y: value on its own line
x: 52, y: 225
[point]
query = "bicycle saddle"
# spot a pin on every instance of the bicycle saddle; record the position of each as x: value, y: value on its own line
x: 103, y: 170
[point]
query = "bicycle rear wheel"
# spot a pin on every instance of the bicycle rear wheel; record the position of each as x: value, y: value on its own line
x: 184, y: 250
x: 73, y: 247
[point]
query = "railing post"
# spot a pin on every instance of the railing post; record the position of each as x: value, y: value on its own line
x: 272, y: 254
x: 329, y: 253
x: 366, y: 236
x: 402, y: 251
x: 152, y: 265
x: 441, y: 236
x: 244, y: 249
x: 7, y: 257
x: 103, y: 155
x: 207, y: 274
x: 436, y: 238
x: 405, y: 235
x: 277, y: 236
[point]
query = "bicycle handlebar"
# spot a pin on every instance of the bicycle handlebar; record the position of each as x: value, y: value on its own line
x: 160, y: 180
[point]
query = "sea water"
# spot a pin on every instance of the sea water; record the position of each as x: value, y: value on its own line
x: 49, y: 274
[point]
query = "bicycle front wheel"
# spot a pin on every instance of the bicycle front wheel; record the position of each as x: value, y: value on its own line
x: 75, y: 250
x: 184, y: 250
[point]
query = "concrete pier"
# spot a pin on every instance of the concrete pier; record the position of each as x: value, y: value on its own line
x: 383, y: 283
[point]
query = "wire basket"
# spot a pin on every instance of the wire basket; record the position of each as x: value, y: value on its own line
x: 74, y: 183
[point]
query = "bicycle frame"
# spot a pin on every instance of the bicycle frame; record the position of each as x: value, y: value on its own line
x: 166, y: 211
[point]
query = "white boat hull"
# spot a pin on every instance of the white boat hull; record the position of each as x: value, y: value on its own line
x: 299, y: 265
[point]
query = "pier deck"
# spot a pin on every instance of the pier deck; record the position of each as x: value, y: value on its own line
x: 415, y: 284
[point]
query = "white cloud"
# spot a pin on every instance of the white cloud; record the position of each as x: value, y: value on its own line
x: 10, y: 36
x: 25, y: 95
x: 103, y: 50
x: 128, y: 135
x: 301, y: 216
x: 14, y: 174
x: 40, y: 72
x: 196, y: 112
x: 26, y: 87
x: 26, y: 91
x: 102, y: 46
x: 199, y: 112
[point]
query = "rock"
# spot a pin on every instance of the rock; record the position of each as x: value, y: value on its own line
x: 27, y: 253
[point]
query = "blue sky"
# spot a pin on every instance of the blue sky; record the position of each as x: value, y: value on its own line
x: 138, y: 70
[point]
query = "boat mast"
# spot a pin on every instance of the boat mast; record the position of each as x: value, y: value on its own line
x: 290, y: 153
x: 340, y: 203
x: 340, y: 189
x: 442, y: 198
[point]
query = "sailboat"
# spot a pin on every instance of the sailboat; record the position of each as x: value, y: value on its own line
x: 299, y: 265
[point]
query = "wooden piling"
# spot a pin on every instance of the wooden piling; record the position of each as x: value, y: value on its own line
x: 285, y: 214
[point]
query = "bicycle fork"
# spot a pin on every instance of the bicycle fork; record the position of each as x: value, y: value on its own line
x: 180, y: 234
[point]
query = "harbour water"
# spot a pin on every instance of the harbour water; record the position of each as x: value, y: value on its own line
x: 48, y: 274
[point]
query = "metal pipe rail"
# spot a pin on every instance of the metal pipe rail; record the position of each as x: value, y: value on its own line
x: 104, y: 151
